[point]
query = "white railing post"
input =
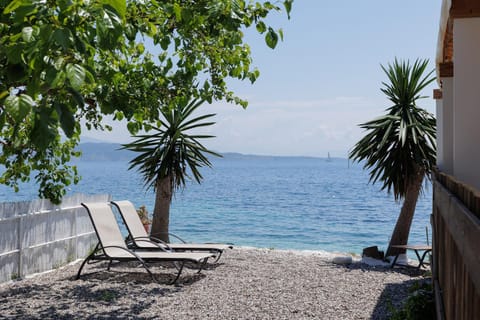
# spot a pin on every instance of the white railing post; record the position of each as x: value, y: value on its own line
x: 20, y: 246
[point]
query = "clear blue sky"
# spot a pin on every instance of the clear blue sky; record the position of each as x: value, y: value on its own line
x: 323, y: 79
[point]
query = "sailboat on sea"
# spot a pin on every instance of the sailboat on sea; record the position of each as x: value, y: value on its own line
x: 328, y: 157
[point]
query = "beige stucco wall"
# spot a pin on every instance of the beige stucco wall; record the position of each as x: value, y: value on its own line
x: 445, y: 127
x: 466, y: 101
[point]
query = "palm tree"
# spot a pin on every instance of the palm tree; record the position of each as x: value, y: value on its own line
x: 169, y: 156
x: 399, y: 147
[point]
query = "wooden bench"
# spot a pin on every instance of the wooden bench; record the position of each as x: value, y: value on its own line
x: 416, y: 248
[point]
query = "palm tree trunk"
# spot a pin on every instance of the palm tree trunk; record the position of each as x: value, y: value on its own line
x: 402, y: 227
x: 161, y: 211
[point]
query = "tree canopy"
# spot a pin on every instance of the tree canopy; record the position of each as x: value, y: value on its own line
x: 66, y: 61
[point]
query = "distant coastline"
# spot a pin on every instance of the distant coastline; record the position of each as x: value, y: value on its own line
x: 107, y: 151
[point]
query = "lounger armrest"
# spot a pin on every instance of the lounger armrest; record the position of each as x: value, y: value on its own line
x: 177, y: 237
x: 126, y: 249
x: 157, y: 242
x: 155, y: 239
x: 173, y: 235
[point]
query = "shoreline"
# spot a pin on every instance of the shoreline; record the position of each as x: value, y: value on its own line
x: 247, y: 283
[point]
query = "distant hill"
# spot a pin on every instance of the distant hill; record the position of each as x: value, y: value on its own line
x: 93, y: 151
x: 235, y: 155
x: 104, y: 151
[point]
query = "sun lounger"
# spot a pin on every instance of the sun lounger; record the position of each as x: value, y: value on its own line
x: 140, y: 239
x: 112, y: 247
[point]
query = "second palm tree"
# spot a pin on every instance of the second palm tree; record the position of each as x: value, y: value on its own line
x: 169, y: 156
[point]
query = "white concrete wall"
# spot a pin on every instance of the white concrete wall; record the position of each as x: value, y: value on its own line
x: 445, y: 127
x: 466, y: 100
x: 37, y: 236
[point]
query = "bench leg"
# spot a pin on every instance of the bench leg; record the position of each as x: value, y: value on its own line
x: 420, y: 264
x: 394, y: 261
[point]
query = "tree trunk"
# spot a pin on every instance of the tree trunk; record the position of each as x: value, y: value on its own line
x: 402, y: 227
x: 161, y: 212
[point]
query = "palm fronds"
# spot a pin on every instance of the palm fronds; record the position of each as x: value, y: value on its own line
x: 170, y: 150
x: 402, y: 141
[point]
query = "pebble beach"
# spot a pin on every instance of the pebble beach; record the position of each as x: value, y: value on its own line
x: 247, y: 283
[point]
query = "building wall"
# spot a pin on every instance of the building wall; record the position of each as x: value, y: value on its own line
x: 445, y: 127
x: 466, y: 101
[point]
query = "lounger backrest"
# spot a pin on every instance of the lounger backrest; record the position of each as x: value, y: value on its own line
x: 131, y: 218
x: 106, y: 227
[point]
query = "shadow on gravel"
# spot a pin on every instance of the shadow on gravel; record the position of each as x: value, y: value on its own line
x: 100, y: 294
x: 134, y: 273
x: 139, y: 277
x: 394, y: 294
x: 63, y: 303
x: 409, y: 271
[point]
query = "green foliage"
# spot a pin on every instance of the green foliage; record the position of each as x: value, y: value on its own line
x: 143, y: 215
x: 106, y: 295
x: 14, y: 276
x: 170, y: 151
x: 62, y: 62
x: 402, y: 141
x: 420, y: 304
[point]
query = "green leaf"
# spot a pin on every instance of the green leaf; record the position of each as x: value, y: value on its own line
x: 178, y: 11
x: 261, y: 27
x: 133, y: 127
x: 23, y: 11
x: 58, y: 63
x: 186, y: 15
x: 271, y: 38
x: 165, y: 42
x: 41, y: 134
x: 14, y: 53
x: 4, y: 94
x: 77, y: 97
x: 2, y: 119
x: 19, y: 106
x: 26, y: 104
x: 59, y: 80
x: 119, y: 115
x: 67, y: 120
x: 288, y: 7
x: 140, y: 48
x: 12, y: 6
x: 61, y: 37
x: 130, y: 32
x: 120, y: 6
x: 76, y: 75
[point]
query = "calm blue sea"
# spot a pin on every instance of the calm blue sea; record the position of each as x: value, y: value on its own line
x: 273, y: 202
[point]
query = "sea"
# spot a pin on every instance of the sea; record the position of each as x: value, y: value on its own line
x: 300, y: 203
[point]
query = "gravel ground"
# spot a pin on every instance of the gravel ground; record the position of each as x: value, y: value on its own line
x: 245, y: 284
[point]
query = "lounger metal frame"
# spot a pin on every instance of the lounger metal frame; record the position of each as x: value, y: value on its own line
x: 131, y: 241
x: 99, y: 254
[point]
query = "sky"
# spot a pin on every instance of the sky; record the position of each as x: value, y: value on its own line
x: 322, y: 81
